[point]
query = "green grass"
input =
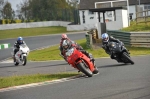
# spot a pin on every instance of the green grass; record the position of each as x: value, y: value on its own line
x: 31, y: 32
x: 137, y: 27
x: 52, y: 53
x: 27, y: 79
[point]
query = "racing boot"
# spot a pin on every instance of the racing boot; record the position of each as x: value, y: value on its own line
x: 14, y: 58
x: 91, y: 59
x: 89, y: 55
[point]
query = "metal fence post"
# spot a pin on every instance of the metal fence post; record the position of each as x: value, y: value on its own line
x: 88, y: 44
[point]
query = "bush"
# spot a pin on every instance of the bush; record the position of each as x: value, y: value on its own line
x: 6, y: 21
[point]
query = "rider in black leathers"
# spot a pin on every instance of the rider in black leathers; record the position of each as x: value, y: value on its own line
x: 105, y: 43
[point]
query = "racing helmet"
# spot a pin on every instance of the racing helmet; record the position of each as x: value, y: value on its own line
x: 105, y: 37
x: 20, y: 40
x: 66, y: 44
x: 64, y: 36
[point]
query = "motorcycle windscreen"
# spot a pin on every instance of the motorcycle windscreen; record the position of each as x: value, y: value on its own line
x: 74, y: 57
x: 115, y: 47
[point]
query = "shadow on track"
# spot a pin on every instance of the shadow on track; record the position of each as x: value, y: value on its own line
x: 52, y: 65
x: 114, y: 65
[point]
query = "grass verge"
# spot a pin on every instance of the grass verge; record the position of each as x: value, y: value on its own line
x: 24, y: 32
x: 27, y: 79
x: 137, y: 27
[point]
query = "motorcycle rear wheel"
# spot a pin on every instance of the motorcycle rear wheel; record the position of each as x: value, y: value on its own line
x: 84, y: 69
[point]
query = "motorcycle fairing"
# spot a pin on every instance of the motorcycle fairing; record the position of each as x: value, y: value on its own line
x: 78, y: 57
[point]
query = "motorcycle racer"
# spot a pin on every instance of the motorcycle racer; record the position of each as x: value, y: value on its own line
x: 105, y: 43
x: 16, y: 45
x: 67, y: 44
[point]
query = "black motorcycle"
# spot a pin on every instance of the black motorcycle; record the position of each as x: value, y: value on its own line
x: 120, y: 52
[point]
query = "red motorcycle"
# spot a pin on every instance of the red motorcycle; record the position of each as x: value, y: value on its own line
x: 81, y: 62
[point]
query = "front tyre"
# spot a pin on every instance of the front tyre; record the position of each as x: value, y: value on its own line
x: 24, y: 60
x: 96, y: 71
x: 84, y: 69
x: 16, y: 63
x: 126, y: 57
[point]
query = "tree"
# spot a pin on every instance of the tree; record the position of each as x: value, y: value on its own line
x: 44, y: 9
x: 7, y: 11
x: 1, y: 7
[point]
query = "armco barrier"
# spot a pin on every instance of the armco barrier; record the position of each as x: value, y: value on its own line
x: 136, y: 39
x: 122, y: 36
x: 140, y: 39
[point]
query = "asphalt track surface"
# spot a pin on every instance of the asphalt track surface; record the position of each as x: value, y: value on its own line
x: 115, y: 81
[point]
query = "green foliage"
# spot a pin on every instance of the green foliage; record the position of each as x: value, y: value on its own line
x: 45, y: 9
x: 7, y: 11
x: 6, y: 21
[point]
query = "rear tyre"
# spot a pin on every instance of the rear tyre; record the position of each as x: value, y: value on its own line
x: 85, y: 69
x: 126, y: 56
x: 24, y: 61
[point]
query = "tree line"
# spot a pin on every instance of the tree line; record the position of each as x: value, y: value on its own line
x: 39, y: 10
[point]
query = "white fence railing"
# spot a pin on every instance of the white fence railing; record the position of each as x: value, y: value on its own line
x: 33, y: 24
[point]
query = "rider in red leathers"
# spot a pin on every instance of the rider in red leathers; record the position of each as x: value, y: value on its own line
x: 67, y: 44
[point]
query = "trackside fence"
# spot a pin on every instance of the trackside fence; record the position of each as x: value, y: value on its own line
x: 135, y: 39
x: 140, y: 39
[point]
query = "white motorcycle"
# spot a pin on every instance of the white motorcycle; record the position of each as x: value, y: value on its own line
x: 21, y: 55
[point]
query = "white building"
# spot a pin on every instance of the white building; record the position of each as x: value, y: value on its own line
x: 91, y: 18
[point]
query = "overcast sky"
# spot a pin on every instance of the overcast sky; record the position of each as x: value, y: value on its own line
x: 14, y: 3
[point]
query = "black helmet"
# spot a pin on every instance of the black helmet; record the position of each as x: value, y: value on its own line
x: 66, y: 44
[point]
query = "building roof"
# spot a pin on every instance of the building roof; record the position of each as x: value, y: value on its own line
x: 90, y: 4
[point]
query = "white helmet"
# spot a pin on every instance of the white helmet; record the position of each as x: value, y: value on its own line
x: 105, y: 37
x: 66, y: 44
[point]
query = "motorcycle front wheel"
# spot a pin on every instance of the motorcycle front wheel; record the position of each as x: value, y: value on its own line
x: 16, y: 63
x: 96, y: 71
x: 24, y: 60
x: 126, y: 56
x: 84, y: 69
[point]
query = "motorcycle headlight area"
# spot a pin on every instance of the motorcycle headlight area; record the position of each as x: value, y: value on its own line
x: 113, y: 45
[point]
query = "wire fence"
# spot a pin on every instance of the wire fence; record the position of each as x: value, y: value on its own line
x: 143, y: 17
